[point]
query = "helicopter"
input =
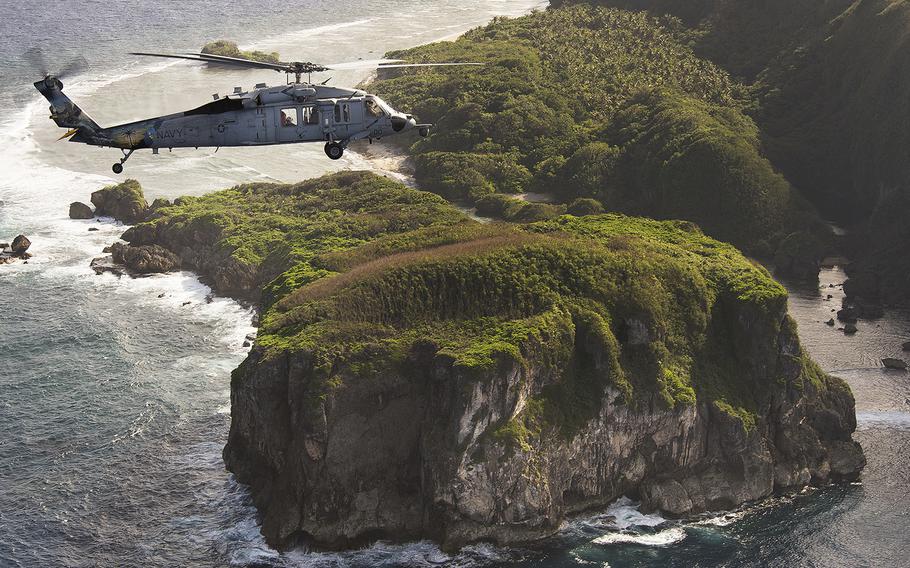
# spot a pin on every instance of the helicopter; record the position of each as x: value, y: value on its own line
x: 284, y: 114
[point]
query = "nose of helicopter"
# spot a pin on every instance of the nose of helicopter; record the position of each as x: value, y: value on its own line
x: 403, y: 122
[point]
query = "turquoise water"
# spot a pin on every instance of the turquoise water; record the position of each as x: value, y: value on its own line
x: 114, y: 393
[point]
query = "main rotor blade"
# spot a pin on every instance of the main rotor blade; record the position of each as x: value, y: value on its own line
x: 213, y: 58
x: 227, y: 61
x: 369, y: 65
x: 362, y: 64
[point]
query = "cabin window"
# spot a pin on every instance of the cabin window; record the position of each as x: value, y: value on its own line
x: 310, y: 115
x: 289, y: 117
x: 343, y: 113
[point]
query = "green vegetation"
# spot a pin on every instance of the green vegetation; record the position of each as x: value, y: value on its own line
x: 830, y: 88
x: 557, y: 294
x: 510, y: 208
x: 281, y: 232
x: 560, y: 295
x: 596, y: 103
x: 230, y: 49
x: 369, y: 277
x: 123, y: 201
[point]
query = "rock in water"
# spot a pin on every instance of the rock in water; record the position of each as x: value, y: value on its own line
x: 145, y: 259
x: 20, y: 245
x: 104, y: 264
x: 850, y: 328
x: 124, y: 202
x: 847, y: 314
x: 79, y: 210
x: 894, y: 363
x: 906, y: 346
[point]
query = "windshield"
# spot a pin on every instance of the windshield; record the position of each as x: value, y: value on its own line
x: 377, y: 107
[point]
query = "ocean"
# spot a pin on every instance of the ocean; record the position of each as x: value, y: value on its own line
x: 114, y: 392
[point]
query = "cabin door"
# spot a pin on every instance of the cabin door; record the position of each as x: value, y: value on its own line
x: 348, y: 118
x: 288, y: 124
x: 297, y: 124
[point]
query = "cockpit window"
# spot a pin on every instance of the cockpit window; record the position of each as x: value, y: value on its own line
x: 373, y: 108
x: 377, y: 107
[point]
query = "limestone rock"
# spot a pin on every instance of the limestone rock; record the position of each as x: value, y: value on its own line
x: 124, y: 202
x: 79, y: 210
x: 20, y: 245
x: 847, y: 314
x: 145, y: 259
x: 329, y: 471
x: 104, y: 264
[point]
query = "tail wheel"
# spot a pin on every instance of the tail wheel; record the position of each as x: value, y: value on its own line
x: 334, y: 150
x: 118, y: 168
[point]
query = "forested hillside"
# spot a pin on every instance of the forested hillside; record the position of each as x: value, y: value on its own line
x: 832, y: 87
x: 593, y: 102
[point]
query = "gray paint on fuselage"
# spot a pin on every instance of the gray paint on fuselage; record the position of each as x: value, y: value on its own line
x: 257, y: 123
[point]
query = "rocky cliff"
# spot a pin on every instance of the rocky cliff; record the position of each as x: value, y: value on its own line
x: 421, y: 375
x: 488, y: 387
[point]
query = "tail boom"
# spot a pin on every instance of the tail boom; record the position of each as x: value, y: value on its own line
x: 64, y: 111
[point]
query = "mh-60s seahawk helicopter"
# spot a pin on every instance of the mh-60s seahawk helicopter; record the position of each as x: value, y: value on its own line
x: 284, y: 114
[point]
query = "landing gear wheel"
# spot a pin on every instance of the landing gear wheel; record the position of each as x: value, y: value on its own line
x: 333, y: 150
x: 118, y: 168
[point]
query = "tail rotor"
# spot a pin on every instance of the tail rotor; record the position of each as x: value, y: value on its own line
x: 37, y: 59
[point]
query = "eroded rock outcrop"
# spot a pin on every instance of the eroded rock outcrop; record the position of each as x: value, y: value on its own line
x: 124, y: 202
x: 418, y: 375
x: 488, y: 389
x: 20, y: 245
x: 79, y: 210
x: 145, y: 259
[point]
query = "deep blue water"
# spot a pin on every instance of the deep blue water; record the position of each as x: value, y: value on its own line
x: 114, y: 393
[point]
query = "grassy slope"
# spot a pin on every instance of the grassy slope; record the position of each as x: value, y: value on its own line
x: 359, y: 269
x: 580, y: 102
x: 283, y: 231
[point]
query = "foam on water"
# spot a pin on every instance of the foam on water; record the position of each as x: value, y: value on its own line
x: 663, y: 538
x: 871, y: 420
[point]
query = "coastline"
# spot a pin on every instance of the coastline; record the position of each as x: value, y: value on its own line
x: 388, y: 160
x: 392, y: 162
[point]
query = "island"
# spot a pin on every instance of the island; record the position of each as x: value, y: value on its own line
x: 421, y: 374
x: 230, y: 49
x: 418, y: 374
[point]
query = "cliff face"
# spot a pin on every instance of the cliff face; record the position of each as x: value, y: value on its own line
x: 485, y: 390
x: 410, y: 455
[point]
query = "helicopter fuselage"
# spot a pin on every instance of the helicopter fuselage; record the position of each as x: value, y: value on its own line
x: 285, y: 114
x: 277, y: 115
